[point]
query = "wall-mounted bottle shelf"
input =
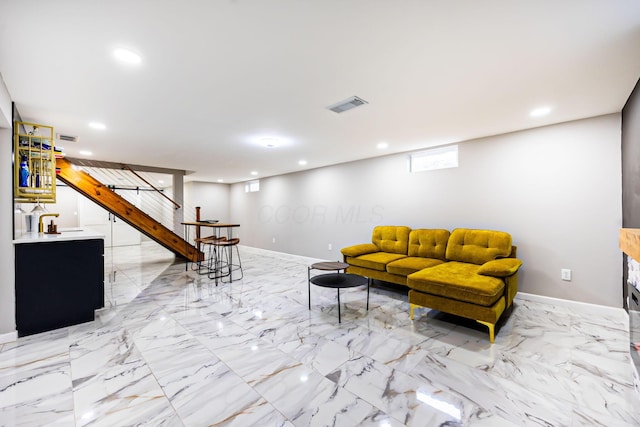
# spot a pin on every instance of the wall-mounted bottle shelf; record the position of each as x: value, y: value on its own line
x: 34, y: 163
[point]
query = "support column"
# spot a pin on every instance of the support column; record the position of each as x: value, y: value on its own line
x: 178, y: 196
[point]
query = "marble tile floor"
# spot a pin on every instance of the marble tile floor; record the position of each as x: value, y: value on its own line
x: 172, y: 349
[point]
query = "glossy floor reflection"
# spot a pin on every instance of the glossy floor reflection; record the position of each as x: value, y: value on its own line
x: 170, y: 348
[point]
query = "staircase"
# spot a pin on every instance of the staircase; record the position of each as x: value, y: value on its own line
x: 99, y: 193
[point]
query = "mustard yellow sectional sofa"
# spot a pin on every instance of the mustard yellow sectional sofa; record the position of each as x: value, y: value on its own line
x: 467, y: 272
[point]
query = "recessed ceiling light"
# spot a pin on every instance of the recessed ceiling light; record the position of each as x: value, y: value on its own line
x: 221, y: 180
x: 382, y: 145
x: 85, y: 153
x: 254, y: 173
x: 302, y: 162
x: 127, y: 56
x: 541, y: 111
x: 270, y: 142
x: 161, y: 181
x: 97, y: 126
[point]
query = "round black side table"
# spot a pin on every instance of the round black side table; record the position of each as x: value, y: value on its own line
x: 336, y: 280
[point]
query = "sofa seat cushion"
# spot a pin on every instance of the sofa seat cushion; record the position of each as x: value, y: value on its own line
x: 411, y: 264
x: 459, y: 281
x: 376, y: 261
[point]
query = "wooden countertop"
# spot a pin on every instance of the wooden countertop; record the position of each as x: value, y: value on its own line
x: 630, y: 242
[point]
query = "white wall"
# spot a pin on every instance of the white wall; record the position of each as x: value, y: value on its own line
x: 556, y: 189
x: 66, y: 205
x: 212, y: 198
x: 7, y: 289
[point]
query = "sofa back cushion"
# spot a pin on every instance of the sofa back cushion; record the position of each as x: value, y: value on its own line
x: 391, y: 238
x: 428, y: 243
x: 478, y: 246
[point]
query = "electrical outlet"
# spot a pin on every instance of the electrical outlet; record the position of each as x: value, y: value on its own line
x: 565, y: 274
x: 273, y: 240
x: 330, y: 246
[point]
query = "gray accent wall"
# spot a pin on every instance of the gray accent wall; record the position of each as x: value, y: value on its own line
x: 630, y: 170
x: 631, y: 160
x: 556, y: 189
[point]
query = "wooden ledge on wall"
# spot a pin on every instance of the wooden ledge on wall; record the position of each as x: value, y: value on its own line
x: 630, y: 242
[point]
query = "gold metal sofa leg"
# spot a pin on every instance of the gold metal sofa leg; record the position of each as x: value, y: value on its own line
x: 491, y: 327
x: 412, y: 307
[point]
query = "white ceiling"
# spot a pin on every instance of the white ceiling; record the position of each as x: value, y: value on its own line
x: 216, y: 76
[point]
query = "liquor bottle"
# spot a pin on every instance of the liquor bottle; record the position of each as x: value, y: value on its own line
x: 24, y: 172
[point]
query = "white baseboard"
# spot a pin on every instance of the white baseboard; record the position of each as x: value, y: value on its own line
x: 577, y: 305
x: 300, y: 258
x: 8, y: 337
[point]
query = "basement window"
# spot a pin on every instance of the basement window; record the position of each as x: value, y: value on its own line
x: 435, y: 158
x: 252, y: 186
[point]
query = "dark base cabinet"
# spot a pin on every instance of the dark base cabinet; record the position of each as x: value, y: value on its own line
x: 58, y: 284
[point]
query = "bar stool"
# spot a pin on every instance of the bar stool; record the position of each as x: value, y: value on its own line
x: 225, y: 265
x: 214, y: 261
x: 203, y: 267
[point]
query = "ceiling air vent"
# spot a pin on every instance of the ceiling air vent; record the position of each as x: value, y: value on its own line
x: 347, y: 104
x: 68, y: 138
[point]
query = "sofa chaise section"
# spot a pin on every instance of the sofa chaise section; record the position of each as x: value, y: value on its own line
x: 479, y: 281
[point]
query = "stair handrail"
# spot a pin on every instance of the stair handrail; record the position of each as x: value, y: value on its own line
x: 177, y: 206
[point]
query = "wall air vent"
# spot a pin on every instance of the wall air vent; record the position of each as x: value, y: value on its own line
x: 347, y: 104
x: 68, y: 138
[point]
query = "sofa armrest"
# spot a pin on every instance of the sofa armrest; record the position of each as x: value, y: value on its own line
x: 357, y: 250
x: 502, y: 267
